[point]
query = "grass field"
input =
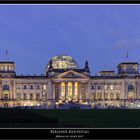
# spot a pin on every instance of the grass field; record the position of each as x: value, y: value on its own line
x: 69, y: 118
x: 94, y: 118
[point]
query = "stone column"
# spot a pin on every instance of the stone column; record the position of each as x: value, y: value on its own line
x: 73, y: 90
x: 14, y: 90
x: 66, y: 90
x: 123, y: 90
x: 136, y: 94
x: 138, y: 90
x: 79, y: 93
x: 60, y: 96
x: 103, y: 91
x: 85, y: 91
x: 88, y: 91
x: 11, y: 91
x: 53, y: 90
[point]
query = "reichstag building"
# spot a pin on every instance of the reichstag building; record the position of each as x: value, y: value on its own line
x: 64, y: 84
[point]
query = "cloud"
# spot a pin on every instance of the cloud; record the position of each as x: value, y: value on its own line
x: 126, y: 43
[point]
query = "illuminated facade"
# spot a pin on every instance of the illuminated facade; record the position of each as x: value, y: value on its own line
x: 65, y: 83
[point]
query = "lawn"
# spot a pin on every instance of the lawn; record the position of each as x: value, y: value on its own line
x: 94, y: 118
x: 35, y: 118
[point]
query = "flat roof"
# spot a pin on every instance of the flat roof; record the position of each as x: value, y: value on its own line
x: 129, y: 63
x: 107, y: 71
x: 7, y: 62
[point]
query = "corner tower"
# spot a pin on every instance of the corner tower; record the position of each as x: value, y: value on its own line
x: 7, y: 69
x: 129, y: 69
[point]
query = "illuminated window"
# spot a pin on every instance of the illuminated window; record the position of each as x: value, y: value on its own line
x: 130, y: 95
x: 70, y: 90
x: 6, y: 68
x: 63, y: 89
x: 44, y: 87
x: 105, y: 87
x: 43, y: 93
x: 111, y: 87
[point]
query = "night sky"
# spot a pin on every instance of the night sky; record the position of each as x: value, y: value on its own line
x: 101, y: 34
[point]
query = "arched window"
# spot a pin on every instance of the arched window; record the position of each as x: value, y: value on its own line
x: 117, y: 96
x: 5, y: 105
x: 18, y: 96
x: 31, y: 87
x: 25, y: 87
x: 37, y: 87
x: 70, y: 90
x: 130, y: 88
x: 99, y: 87
x: 105, y: 96
x: 24, y: 96
x: 5, y: 96
x: 92, y: 87
x: 111, y: 96
x: 31, y: 96
x: 6, y: 87
x: 99, y: 96
x: 37, y: 96
x: 62, y: 89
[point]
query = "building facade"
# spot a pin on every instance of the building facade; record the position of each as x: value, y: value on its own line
x: 65, y: 83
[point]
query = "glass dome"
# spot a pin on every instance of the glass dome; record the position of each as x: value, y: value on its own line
x: 63, y: 62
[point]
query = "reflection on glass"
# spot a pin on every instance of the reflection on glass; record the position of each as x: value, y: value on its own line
x: 63, y: 62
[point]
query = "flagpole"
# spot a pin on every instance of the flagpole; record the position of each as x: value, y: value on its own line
x: 6, y: 55
x: 127, y: 55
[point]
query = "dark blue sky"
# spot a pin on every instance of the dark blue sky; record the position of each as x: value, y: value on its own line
x: 101, y: 34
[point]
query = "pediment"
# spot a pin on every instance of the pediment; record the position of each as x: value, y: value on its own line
x: 71, y: 74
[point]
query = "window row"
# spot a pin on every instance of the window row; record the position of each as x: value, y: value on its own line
x: 105, y: 87
x: 6, y: 68
x: 106, y: 96
x: 37, y: 87
x: 30, y: 96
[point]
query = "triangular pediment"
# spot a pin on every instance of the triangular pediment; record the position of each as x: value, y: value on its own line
x: 71, y: 74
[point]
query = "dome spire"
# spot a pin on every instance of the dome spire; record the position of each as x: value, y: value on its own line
x: 86, y: 67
